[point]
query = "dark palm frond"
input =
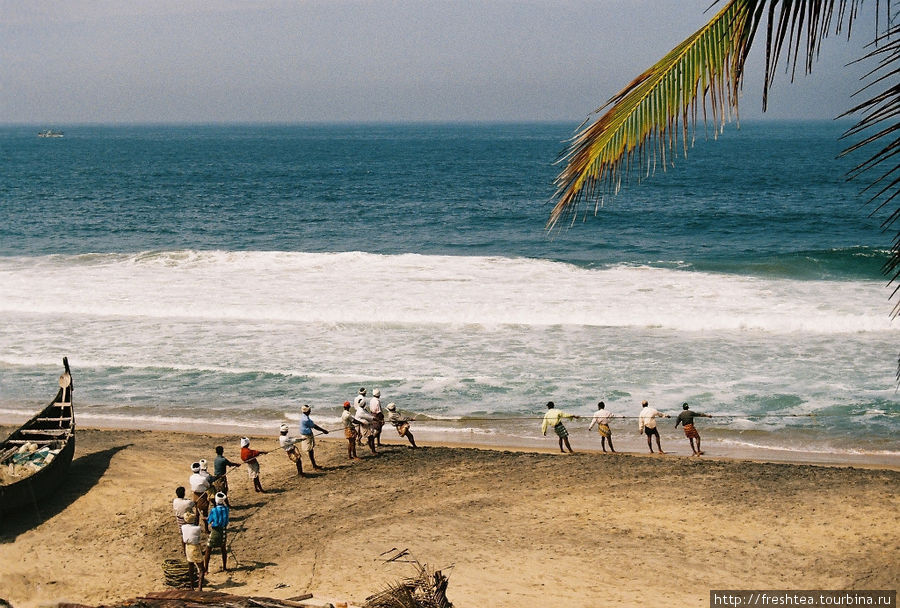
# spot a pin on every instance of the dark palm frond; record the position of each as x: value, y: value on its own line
x: 879, y: 130
x: 807, y: 22
x: 647, y: 121
x: 427, y: 589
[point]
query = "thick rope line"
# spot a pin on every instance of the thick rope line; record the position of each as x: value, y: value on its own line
x: 616, y: 416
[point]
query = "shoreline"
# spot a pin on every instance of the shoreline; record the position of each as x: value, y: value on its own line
x: 589, y: 444
x: 674, y: 442
x: 511, y: 527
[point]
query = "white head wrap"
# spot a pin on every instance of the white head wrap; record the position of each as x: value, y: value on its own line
x: 284, y: 428
x: 376, y: 392
x: 195, y: 467
x: 244, y: 442
x: 220, y: 498
x: 305, y: 409
x: 202, y: 465
x: 392, y: 406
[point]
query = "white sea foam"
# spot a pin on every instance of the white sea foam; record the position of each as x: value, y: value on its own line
x: 370, y: 289
x: 182, y: 337
x: 806, y: 449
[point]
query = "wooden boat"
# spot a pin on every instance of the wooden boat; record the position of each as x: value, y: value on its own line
x: 28, y: 477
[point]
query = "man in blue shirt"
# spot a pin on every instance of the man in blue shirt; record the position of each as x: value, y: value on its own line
x: 218, y: 522
x: 307, y: 439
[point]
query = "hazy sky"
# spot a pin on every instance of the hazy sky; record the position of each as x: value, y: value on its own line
x: 360, y: 60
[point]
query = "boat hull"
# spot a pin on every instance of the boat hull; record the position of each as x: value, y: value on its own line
x: 54, y: 426
x: 32, y: 490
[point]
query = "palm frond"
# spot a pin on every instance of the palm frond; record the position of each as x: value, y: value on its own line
x: 647, y: 121
x: 879, y: 129
x: 792, y: 21
x: 427, y: 589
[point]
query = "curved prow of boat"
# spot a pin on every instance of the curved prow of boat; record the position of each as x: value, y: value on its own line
x: 35, y: 458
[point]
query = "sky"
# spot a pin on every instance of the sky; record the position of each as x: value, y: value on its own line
x: 223, y: 61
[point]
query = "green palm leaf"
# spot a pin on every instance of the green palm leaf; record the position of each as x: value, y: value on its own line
x: 659, y: 108
x: 656, y: 114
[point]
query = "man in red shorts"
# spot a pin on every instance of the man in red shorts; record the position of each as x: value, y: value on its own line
x: 686, y: 418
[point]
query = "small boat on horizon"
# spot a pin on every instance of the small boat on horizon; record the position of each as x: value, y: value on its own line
x: 35, y: 458
x: 50, y: 133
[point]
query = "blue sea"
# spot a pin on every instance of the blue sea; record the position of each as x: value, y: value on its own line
x: 207, y: 277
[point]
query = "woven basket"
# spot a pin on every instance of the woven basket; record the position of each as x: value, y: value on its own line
x: 177, y: 573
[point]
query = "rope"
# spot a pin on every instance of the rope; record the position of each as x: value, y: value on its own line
x: 583, y: 416
x: 464, y: 419
x: 233, y: 535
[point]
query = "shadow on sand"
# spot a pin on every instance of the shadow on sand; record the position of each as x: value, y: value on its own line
x: 83, y: 474
x: 249, y: 566
x: 230, y: 583
x: 247, y: 506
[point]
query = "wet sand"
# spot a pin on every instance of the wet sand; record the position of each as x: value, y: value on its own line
x: 512, y: 528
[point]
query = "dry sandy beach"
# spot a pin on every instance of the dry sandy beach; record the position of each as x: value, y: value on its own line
x: 512, y: 528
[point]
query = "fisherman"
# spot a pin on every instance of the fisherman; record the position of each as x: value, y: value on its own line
x: 218, y: 523
x: 289, y: 446
x: 199, y: 483
x: 181, y: 506
x: 554, y: 418
x: 401, y: 424
x: 249, y: 457
x: 307, y: 439
x: 211, y: 490
x: 686, y: 419
x: 365, y: 420
x: 204, y: 470
x: 377, y: 415
x: 191, y: 541
x: 647, y: 425
x: 220, y: 470
x: 359, y: 402
x: 350, y: 431
x: 601, y: 418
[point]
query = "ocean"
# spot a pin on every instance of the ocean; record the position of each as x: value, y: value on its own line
x: 219, y: 277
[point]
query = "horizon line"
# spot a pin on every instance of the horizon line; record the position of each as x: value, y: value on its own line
x: 347, y: 123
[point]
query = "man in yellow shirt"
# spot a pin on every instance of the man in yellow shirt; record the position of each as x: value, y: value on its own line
x: 554, y: 418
